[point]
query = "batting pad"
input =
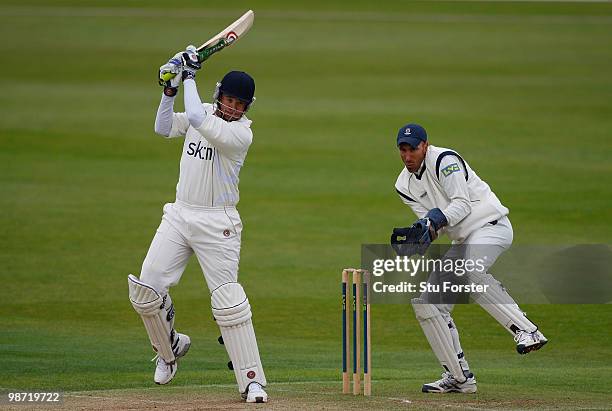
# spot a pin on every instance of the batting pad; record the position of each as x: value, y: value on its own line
x: 157, y: 314
x: 231, y: 309
x: 436, y: 330
x: 500, y: 305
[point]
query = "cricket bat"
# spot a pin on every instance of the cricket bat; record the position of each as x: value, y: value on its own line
x: 227, y: 36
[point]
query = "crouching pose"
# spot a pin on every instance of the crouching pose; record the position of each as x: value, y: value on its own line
x: 448, y: 197
x: 203, y: 220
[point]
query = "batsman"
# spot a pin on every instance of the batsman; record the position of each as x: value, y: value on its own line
x: 203, y: 220
x: 449, y: 198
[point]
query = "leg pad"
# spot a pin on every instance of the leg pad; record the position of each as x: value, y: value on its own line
x: 440, y: 339
x: 232, y: 312
x: 157, y: 314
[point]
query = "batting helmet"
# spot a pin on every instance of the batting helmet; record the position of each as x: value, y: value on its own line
x: 236, y: 84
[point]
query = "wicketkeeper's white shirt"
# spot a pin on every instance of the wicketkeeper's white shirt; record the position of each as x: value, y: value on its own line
x: 447, y: 182
x: 212, y: 157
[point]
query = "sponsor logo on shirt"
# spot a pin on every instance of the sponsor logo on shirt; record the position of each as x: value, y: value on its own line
x: 200, y: 151
x: 450, y: 169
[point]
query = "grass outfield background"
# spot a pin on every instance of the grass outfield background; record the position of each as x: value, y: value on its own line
x: 522, y: 90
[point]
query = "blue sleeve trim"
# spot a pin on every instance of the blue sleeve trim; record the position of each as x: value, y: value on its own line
x: 405, y: 196
x: 450, y: 153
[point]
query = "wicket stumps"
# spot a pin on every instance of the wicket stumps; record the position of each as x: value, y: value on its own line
x: 360, y: 306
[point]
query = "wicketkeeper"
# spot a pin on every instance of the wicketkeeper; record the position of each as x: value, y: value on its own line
x: 449, y: 198
x: 203, y: 220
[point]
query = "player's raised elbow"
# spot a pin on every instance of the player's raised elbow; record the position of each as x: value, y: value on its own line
x: 162, y: 131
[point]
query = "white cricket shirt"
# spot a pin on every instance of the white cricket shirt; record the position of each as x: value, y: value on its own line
x: 212, y: 157
x: 447, y: 182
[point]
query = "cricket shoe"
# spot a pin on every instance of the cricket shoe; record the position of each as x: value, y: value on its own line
x: 164, y: 371
x: 448, y: 383
x: 256, y: 393
x: 527, y: 342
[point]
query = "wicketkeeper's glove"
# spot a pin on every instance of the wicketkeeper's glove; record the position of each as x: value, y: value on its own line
x: 417, y: 238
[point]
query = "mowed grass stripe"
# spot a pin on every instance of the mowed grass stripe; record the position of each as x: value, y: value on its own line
x: 303, y: 15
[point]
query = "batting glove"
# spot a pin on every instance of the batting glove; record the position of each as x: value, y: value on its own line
x: 170, y: 75
x: 191, y: 63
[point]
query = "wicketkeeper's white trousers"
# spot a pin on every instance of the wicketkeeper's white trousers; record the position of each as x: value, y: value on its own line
x: 485, y: 244
x: 212, y: 233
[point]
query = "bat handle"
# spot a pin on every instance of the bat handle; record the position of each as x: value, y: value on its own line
x: 208, y: 51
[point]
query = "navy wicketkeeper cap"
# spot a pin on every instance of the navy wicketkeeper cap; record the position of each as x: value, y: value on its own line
x: 411, y: 134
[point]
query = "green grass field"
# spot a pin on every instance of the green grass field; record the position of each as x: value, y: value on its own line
x: 522, y: 90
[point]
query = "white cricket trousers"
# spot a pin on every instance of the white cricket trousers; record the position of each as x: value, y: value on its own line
x: 485, y: 244
x: 212, y: 233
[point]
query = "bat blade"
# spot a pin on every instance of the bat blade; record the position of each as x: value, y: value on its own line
x: 227, y: 36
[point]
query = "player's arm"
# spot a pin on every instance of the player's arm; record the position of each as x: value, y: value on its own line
x: 230, y: 138
x: 168, y: 123
x: 414, y: 239
x: 452, y: 177
x: 418, y: 209
x: 418, y: 237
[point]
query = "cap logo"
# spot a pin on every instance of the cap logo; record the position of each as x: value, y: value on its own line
x: 407, y: 132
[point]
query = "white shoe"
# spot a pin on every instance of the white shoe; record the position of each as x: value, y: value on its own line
x: 448, y: 383
x: 256, y: 393
x: 181, y: 345
x: 527, y: 342
x: 164, y: 372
